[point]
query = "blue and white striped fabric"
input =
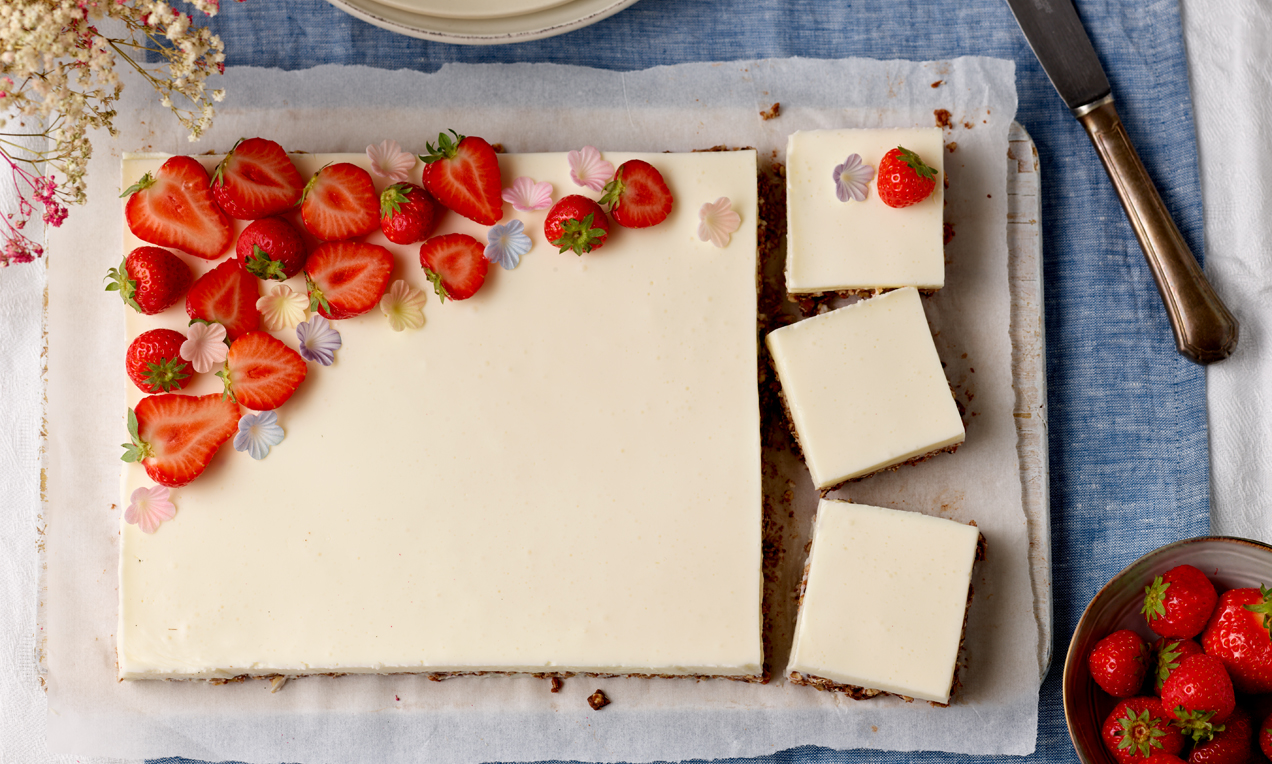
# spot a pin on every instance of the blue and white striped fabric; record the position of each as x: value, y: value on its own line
x: 1129, y: 461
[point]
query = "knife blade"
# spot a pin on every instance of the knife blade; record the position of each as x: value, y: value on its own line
x: 1205, y: 330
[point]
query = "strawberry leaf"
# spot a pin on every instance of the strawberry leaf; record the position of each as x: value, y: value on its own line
x: 438, y: 286
x: 1155, y: 599
x: 135, y: 450
x: 146, y: 181
x: 912, y: 159
x: 445, y: 149
x: 262, y: 266
x: 1264, y: 608
x: 122, y: 283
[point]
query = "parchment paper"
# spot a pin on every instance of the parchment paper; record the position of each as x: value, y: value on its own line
x: 542, y: 108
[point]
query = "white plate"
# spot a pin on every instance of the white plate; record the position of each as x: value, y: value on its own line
x: 484, y: 22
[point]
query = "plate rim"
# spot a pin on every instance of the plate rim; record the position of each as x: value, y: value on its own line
x: 537, y: 25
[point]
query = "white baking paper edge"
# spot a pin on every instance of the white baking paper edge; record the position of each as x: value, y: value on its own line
x: 552, y: 108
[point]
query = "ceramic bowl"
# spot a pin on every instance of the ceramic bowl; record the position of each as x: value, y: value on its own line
x: 1230, y: 563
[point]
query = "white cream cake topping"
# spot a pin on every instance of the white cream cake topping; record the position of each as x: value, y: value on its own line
x: 864, y: 387
x: 885, y: 599
x: 561, y: 473
x: 833, y: 245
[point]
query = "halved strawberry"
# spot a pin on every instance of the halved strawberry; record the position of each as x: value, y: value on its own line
x: 154, y: 361
x: 174, y: 208
x: 271, y: 248
x: 408, y: 213
x: 576, y: 223
x: 340, y: 202
x: 256, y: 179
x: 150, y: 279
x: 226, y: 294
x: 638, y: 196
x: 463, y: 174
x: 347, y: 278
x: 261, y: 372
x: 175, y: 436
x: 456, y: 264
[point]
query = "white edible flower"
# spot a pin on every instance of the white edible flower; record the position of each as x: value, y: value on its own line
x: 403, y: 305
x: 282, y: 308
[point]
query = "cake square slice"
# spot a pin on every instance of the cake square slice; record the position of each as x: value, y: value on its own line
x: 864, y: 388
x: 884, y: 602
x: 854, y: 246
x: 559, y: 474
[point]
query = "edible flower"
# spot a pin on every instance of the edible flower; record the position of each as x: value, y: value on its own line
x: 389, y: 161
x: 319, y: 340
x: 718, y: 222
x: 526, y: 195
x: 282, y: 308
x: 588, y: 169
x: 508, y: 242
x: 149, y: 507
x: 204, y: 346
x: 403, y: 305
x: 851, y: 178
x: 257, y: 433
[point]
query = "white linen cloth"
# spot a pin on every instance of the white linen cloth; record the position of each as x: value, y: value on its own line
x: 1229, y: 58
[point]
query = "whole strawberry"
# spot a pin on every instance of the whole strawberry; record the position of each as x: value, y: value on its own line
x: 1168, y: 653
x: 1119, y: 663
x: 408, y: 213
x: 1238, y: 635
x: 904, y: 179
x: 271, y: 249
x: 1179, y: 602
x: 1198, y: 696
x: 1163, y: 758
x: 1265, y: 736
x: 154, y: 361
x: 150, y: 279
x: 576, y: 223
x: 1138, y: 728
x: 1234, y: 744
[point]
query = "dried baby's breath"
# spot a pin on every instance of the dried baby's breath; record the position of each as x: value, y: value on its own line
x: 59, y: 80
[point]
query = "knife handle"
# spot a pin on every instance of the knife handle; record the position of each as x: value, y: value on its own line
x: 1205, y: 330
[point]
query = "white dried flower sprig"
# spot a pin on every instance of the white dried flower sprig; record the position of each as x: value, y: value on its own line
x: 58, y: 80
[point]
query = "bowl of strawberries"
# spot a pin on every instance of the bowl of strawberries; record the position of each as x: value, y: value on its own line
x: 1172, y: 660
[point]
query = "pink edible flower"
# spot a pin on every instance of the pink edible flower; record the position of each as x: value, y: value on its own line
x: 588, y: 169
x: 150, y: 506
x: 389, y: 161
x: 527, y: 195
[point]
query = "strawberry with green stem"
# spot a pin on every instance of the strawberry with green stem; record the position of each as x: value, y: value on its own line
x: 347, y: 278
x: 462, y: 173
x: 1179, y: 602
x: 1119, y: 662
x: 576, y: 224
x: 637, y: 196
x: 256, y: 180
x: 1137, y: 728
x: 1199, y: 696
x: 175, y: 436
x: 904, y: 178
x: 456, y: 265
x: 174, y: 208
x: 154, y: 363
x: 150, y: 279
x: 1238, y: 634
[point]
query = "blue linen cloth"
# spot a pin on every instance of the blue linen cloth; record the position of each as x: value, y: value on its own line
x: 1128, y: 445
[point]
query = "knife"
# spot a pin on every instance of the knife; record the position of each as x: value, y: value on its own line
x: 1205, y: 330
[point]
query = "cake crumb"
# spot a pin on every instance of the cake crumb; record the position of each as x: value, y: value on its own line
x: 498, y: 147
x: 952, y: 146
x: 938, y: 83
x: 557, y: 684
x: 276, y: 683
x: 949, y: 232
x: 598, y: 700
x: 773, y: 112
x: 967, y: 125
x: 942, y: 117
